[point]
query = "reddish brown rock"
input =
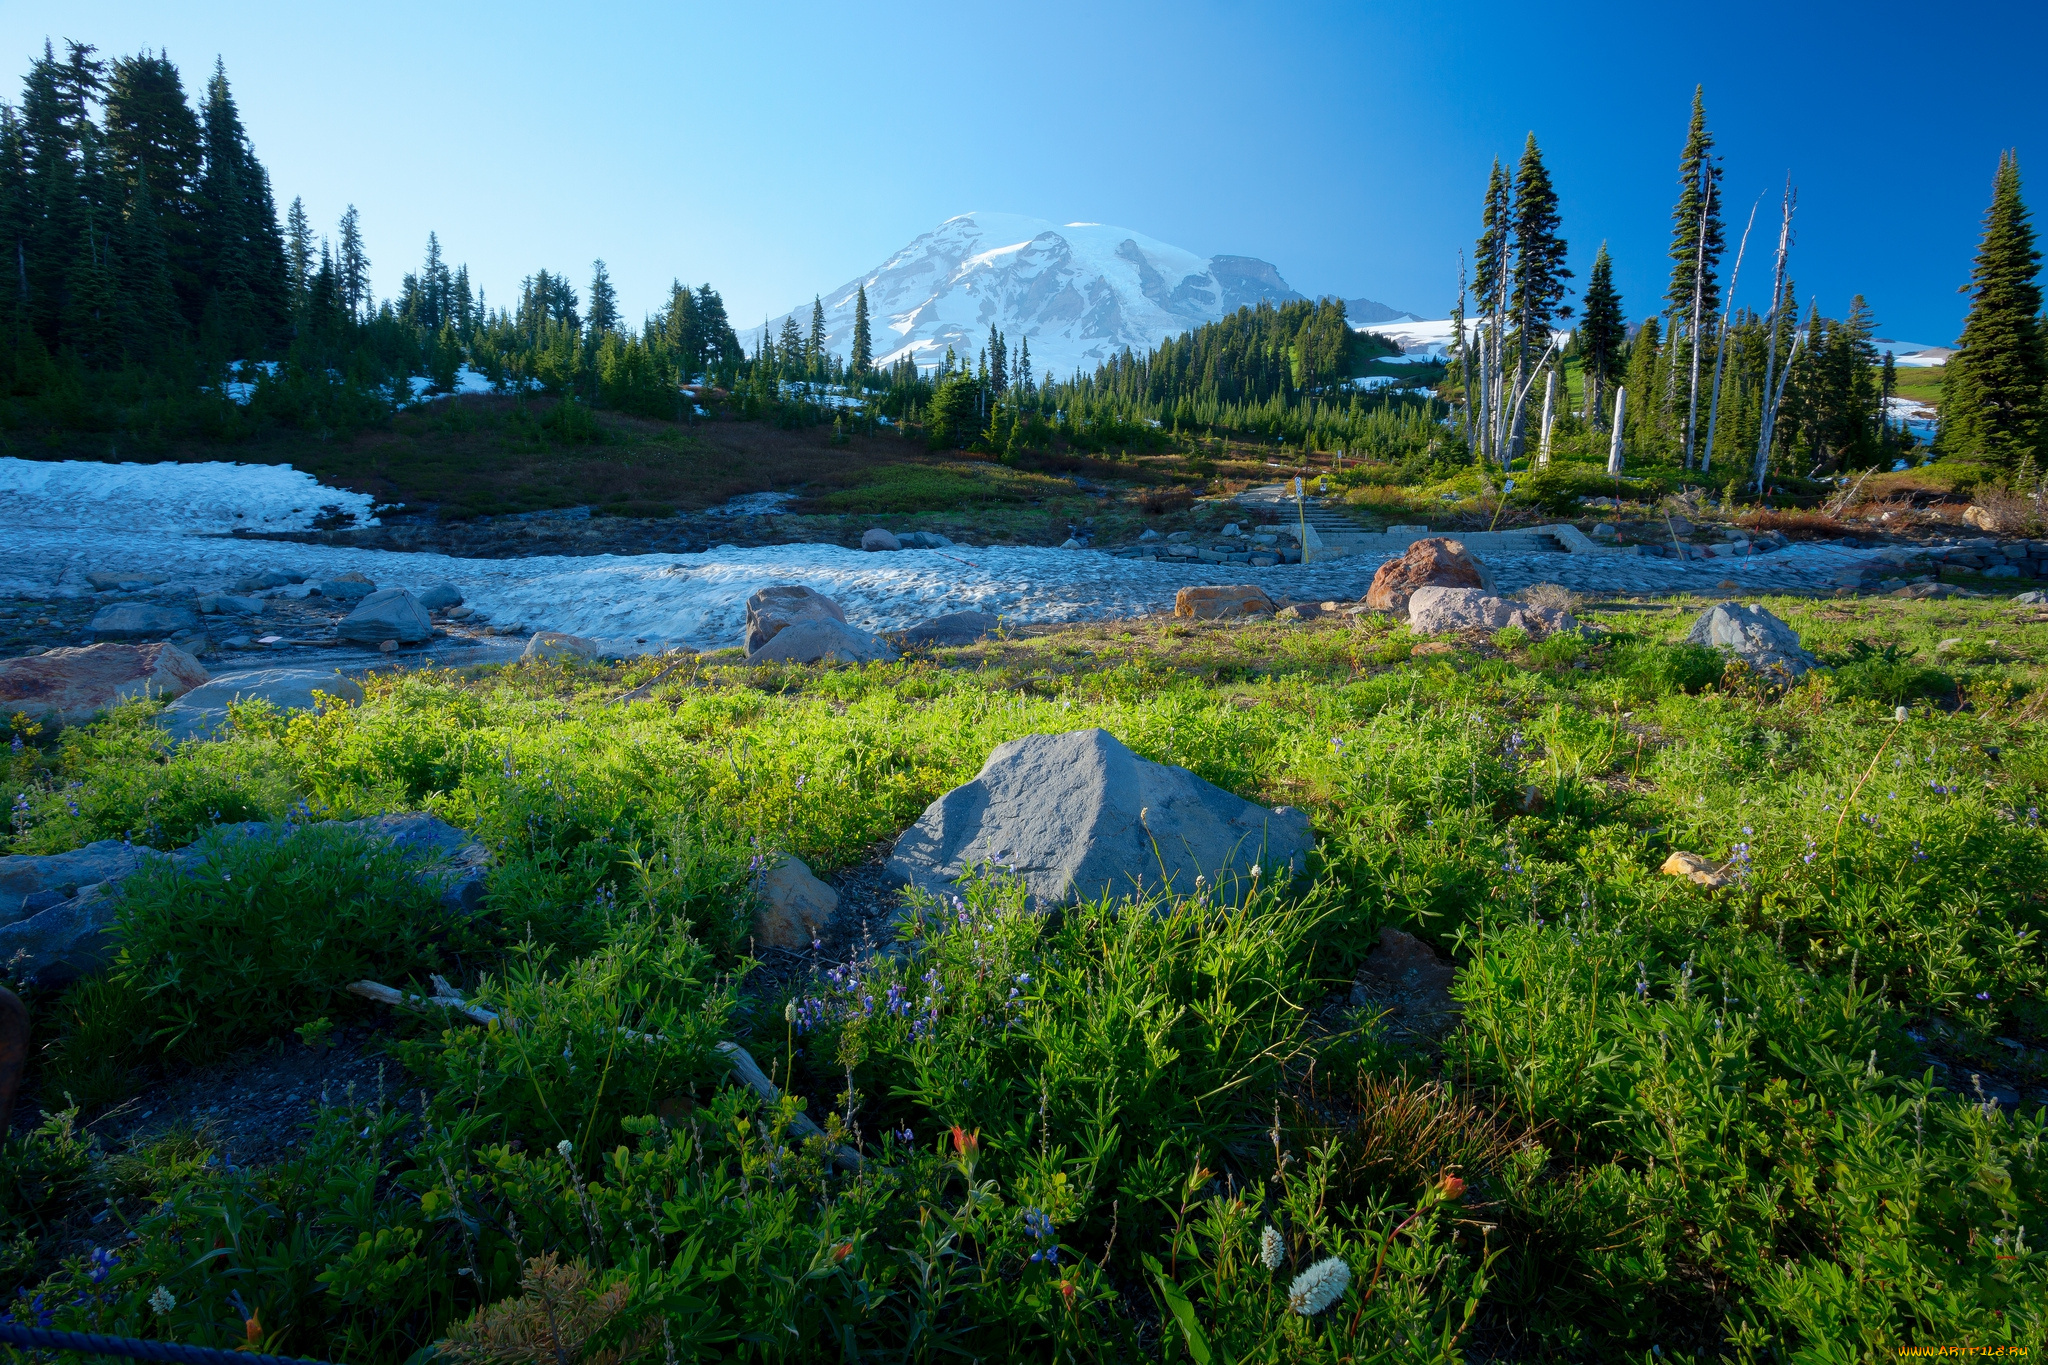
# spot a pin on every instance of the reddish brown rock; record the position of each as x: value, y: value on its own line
x: 68, y: 686
x: 1433, y: 563
x: 1221, y: 604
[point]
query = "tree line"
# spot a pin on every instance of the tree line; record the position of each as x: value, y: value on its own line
x: 1710, y: 389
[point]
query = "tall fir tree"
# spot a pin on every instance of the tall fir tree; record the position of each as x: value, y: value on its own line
x: 789, y: 346
x: 1993, y: 405
x: 814, y: 343
x: 1603, y: 332
x: 862, y: 357
x: 1537, y: 299
x: 604, y: 301
x: 298, y: 251
x: 352, y: 264
x: 1693, y: 215
x: 1490, y: 266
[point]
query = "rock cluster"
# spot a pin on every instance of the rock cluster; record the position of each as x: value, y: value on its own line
x: 875, y: 538
x: 789, y: 623
x: 1078, y: 815
x: 1435, y: 562
x: 1256, y: 547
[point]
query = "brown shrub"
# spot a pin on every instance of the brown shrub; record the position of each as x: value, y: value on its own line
x: 1800, y: 525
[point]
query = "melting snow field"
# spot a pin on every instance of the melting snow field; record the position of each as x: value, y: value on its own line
x: 69, y: 519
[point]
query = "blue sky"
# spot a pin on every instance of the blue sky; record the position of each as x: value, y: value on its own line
x: 777, y: 150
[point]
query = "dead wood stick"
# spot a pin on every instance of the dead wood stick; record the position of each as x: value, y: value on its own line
x: 736, y: 1057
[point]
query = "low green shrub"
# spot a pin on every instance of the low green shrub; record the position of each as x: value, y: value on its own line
x: 1653, y: 670
x: 265, y: 931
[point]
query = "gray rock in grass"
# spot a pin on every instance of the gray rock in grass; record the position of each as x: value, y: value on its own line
x: 1078, y: 816
x: 1753, y: 635
x: 204, y: 710
x: 954, y: 628
x: 823, y: 641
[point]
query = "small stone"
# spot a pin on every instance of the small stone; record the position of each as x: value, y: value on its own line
x: 795, y: 907
x: 875, y: 538
x: 1696, y: 870
x: 1405, y: 979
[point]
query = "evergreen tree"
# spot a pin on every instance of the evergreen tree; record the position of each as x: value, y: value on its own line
x: 1993, y: 405
x: 862, y: 357
x: 1602, y: 332
x: 1693, y: 215
x: 789, y: 346
x: 814, y: 344
x: 352, y: 265
x: 1024, y: 364
x: 1489, y: 254
x: 604, y: 301
x: 298, y: 251
x: 1537, y: 301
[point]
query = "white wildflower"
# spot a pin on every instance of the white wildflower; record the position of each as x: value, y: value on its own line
x: 1272, y: 1250
x: 789, y: 1012
x: 163, y: 1301
x: 1255, y: 871
x: 1321, y: 1285
x: 564, y: 1148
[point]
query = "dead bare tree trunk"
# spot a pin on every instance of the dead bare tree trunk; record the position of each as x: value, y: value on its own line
x: 1549, y: 398
x: 1614, y: 446
x: 1770, y: 414
x: 1721, y: 341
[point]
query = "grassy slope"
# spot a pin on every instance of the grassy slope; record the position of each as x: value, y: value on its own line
x: 1684, y: 1119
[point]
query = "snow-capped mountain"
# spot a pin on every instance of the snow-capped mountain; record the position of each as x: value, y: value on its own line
x: 1079, y: 292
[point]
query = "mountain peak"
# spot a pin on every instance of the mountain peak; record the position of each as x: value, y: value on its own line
x: 1080, y: 293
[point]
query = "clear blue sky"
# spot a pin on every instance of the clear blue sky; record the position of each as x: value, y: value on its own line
x: 777, y: 150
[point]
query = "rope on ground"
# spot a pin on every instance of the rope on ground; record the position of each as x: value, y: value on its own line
x: 136, y: 1348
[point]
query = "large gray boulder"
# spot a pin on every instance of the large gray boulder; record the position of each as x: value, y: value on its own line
x: 56, y: 910
x: 824, y: 641
x: 441, y: 596
x: 1078, y: 815
x: 204, y: 710
x: 70, y: 686
x: 781, y: 605
x: 1752, y: 635
x: 141, y: 621
x: 954, y: 628
x: 554, y: 644
x: 922, y: 540
x: 1432, y: 609
x: 227, y: 604
x: 876, y: 538
x: 387, y: 614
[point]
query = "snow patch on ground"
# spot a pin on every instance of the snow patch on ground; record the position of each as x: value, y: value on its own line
x: 68, y: 519
x: 240, y: 387
x: 112, y: 502
x: 1915, y: 416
